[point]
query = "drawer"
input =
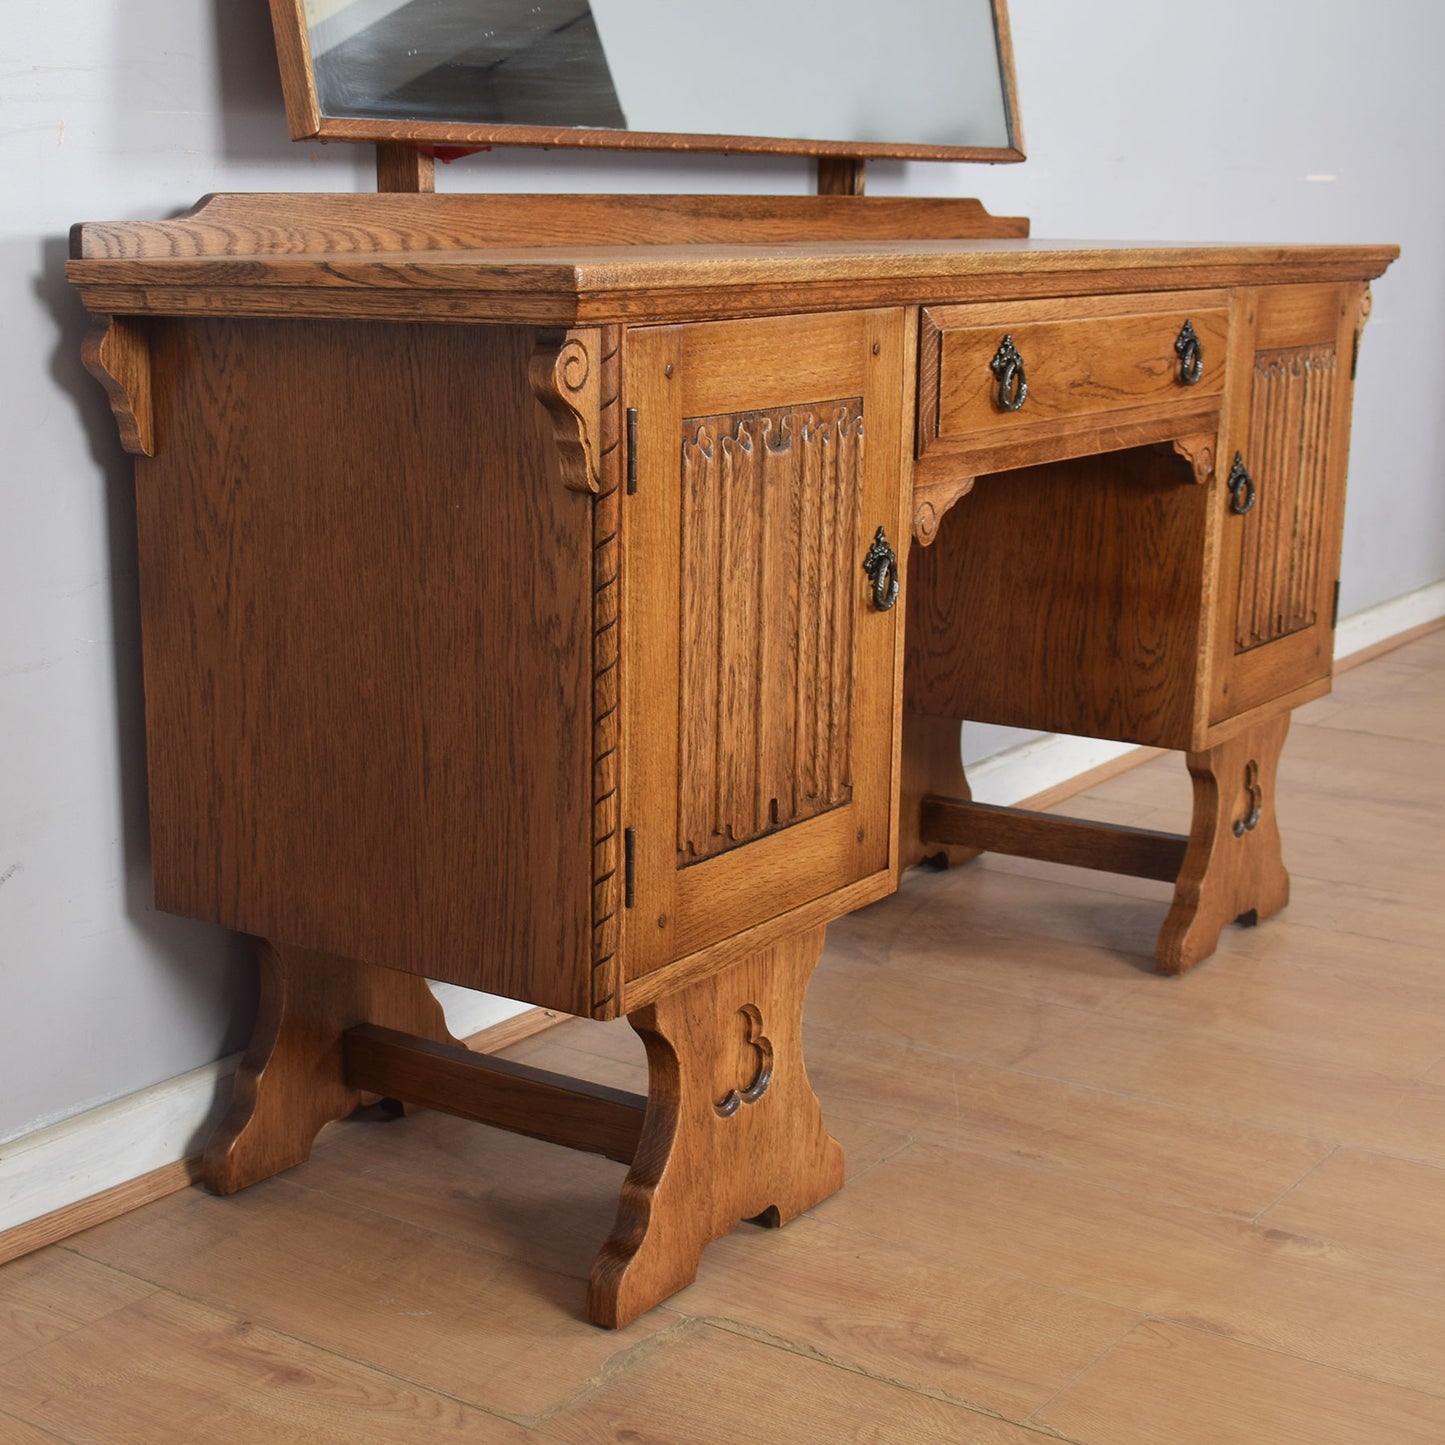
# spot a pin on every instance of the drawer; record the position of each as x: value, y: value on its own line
x: 989, y: 370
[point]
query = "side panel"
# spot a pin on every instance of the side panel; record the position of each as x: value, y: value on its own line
x: 367, y: 604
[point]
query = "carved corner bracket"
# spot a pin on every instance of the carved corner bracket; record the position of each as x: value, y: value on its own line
x: 566, y: 377
x: 115, y: 353
x: 1198, y: 451
x: 932, y: 501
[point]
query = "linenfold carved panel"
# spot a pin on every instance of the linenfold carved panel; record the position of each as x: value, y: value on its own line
x: 771, y: 579
x: 1292, y: 412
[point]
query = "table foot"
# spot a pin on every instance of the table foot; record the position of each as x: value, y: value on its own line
x: 1233, y: 870
x: 733, y: 1129
x: 292, y: 1080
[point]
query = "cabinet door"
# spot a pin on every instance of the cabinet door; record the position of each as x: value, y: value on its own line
x: 1286, y: 448
x: 761, y: 677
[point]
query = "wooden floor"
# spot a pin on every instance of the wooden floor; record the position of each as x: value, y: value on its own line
x: 1085, y: 1202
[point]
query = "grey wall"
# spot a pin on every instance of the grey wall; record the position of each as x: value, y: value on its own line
x: 1143, y: 120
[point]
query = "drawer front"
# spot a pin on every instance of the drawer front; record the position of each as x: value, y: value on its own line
x: 1050, y: 363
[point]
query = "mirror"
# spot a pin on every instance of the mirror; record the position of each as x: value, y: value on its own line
x: 930, y: 79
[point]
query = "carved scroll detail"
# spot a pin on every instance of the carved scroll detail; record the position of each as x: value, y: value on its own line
x: 931, y: 502
x: 771, y: 547
x: 566, y: 377
x: 1291, y: 419
x: 1198, y: 451
x: 115, y: 353
x: 607, y: 877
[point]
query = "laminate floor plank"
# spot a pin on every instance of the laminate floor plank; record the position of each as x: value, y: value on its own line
x: 1154, y: 1150
x: 1280, y: 1084
x: 1370, y: 1201
x: 169, y: 1371
x: 1413, y: 1129
x: 1167, y: 1383
x: 49, y: 1294
x: 1392, y: 698
x: 437, y: 1312
x: 706, y: 1386
x: 521, y: 1198
x: 1267, y: 1009
x: 1265, y: 1286
x: 928, y: 1318
x: 14, y: 1431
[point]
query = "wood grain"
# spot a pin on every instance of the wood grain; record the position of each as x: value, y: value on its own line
x: 759, y: 668
x: 769, y: 532
x: 451, y: 133
x: 733, y: 1128
x: 292, y: 1080
x: 1075, y: 363
x: 52, y: 1294
x: 117, y: 354
x: 1233, y: 868
x: 438, y: 1313
x: 1030, y: 609
x: 494, y: 1091
x: 367, y: 605
x: 1123, y: 1142
x: 173, y: 1371
x: 298, y: 76
x: 234, y: 224
x: 1163, y: 1383
x: 1289, y: 417
x: 1262, y: 1286
x: 61, y: 1223
x: 1370, y: 1201
x: 842, y: 175
x: 916, y: 1313
x: 707, y: 1379
x: 404, y: 168
x: 1110, y: 847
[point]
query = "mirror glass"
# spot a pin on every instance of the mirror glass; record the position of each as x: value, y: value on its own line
x: 899, y: 75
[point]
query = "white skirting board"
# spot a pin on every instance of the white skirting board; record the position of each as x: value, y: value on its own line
x: 105, y: 1147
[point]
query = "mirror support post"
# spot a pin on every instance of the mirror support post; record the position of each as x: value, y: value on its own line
x: 841, y: 175
x: 402, y: 167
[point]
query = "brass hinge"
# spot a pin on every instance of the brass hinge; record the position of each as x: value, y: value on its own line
x: 1335, y: 611
x: 629, y: 867
x: 1355, y: 354
x: 631, y: 450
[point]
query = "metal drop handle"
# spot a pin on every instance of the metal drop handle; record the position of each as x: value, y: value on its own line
x: 1007, y: 365
x: 1190, y: 352
x: 1255, y: 794
x: 881, y: 565
x: 1241, y: 487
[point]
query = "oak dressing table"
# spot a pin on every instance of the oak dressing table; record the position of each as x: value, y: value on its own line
x: 528, y: 603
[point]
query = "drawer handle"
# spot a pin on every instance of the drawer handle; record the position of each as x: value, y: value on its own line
x: 881, y: 565
x: 1013, y: 382
x: 1191, y: 355
x: 1241, y: 487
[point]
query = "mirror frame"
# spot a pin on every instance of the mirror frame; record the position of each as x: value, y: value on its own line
x: 303, y: 114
